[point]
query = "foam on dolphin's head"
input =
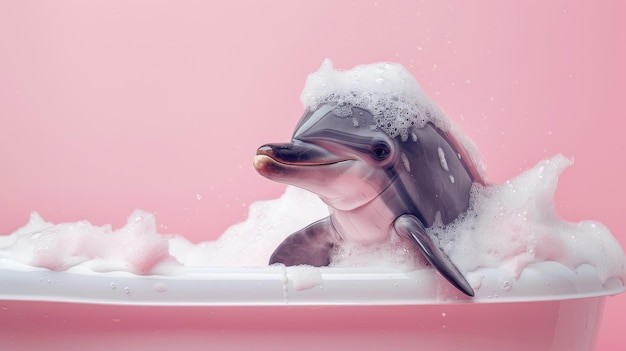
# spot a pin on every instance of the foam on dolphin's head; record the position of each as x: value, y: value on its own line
x: 385, y: 89
x: 389, y: 92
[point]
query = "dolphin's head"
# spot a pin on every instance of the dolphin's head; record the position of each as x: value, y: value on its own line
x: 343, y: 159
x: 348, y: 161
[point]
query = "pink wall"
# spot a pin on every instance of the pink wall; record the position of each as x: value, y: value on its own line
x: 108, y: 106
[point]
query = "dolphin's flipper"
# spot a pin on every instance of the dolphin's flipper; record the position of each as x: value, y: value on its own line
x: 311, y: 245
x: 412, y: 228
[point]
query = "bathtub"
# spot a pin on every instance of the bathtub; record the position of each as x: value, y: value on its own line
x: 299, y: 308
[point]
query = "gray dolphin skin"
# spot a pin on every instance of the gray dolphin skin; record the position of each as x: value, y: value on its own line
x: 373, y: 185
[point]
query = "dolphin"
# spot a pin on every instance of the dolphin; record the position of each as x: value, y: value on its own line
x: 374, y: 185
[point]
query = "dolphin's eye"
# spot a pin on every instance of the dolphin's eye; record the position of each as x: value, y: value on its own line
x: 380, y: 151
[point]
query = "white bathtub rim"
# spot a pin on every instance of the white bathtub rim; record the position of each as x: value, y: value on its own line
x: 298, y: 286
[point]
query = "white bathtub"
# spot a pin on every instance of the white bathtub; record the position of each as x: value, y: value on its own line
x: 275, y: 308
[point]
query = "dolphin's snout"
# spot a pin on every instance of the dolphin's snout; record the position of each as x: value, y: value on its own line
x: 283, y: 153
x: 265, y: 150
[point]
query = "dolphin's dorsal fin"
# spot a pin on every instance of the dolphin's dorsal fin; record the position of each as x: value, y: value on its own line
x: 475, y: 170
x: 410, y: 227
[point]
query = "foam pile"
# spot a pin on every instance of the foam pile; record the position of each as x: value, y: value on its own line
x: 390, y: 93
x: 135, y: 248
x: 386, y: 89
x: 138, y: 247
x: 250, y: 243
x: 515, y: 224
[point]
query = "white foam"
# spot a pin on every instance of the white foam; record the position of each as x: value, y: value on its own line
x: 304, y: 277
x: 442, y: 159
x: 135, y: 248
x: 138, y: 247
x: 390, y: 93
x: 385, y: 89
x: 515, y: 224
x: 250, y: 243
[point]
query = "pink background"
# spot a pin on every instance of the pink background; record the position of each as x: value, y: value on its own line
x: 108, y: 106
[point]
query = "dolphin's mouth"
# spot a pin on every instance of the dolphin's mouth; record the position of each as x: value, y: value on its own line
x: 263, y: 158
x: 273, y: 168
x: 298, y: 154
